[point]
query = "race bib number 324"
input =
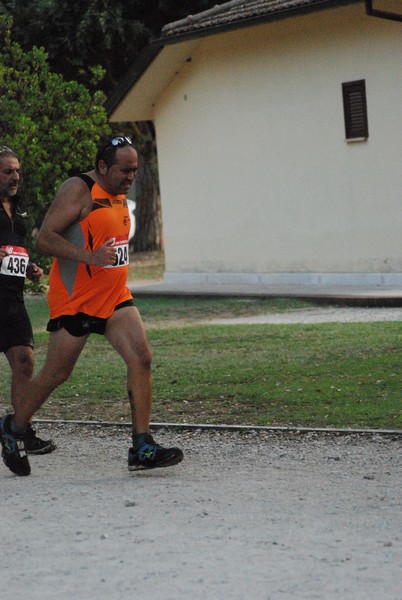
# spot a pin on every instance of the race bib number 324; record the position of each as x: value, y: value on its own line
x: 15, y: 264
x: 122, y: 253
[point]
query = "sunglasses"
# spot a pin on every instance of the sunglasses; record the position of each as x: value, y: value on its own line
x: 116, y: 141
x: 120, y: 141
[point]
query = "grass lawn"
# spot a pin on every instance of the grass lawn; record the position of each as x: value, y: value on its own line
x: 334, y: 374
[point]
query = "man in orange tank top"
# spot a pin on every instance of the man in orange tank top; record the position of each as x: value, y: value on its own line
x: 86, y: 231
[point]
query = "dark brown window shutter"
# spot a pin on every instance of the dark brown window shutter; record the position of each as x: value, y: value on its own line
x: 355, y: 109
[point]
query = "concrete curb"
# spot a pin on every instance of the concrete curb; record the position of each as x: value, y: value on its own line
x: 229, y: 428
x: 346, y: 295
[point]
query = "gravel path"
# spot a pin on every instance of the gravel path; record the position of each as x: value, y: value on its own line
x: 331, y: 314
x: 261, y: 515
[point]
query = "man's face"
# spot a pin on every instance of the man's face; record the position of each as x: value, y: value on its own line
x: 9, y: 176
x: 119, y: 178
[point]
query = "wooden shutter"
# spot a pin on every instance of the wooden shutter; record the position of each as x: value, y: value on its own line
x: 355, y: 109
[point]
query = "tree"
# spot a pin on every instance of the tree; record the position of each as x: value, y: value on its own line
x: 81, y: 35
x: 53, y: 124
x: 78, y: 37
x: 148, y: 213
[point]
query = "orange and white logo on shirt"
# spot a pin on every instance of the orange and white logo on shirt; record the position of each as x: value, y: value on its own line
x: 16, y: 263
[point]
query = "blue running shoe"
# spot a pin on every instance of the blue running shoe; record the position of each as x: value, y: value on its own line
x: 13, y: 448
x: 151, y: 455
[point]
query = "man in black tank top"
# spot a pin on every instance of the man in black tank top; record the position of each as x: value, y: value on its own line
x: 16, y: 337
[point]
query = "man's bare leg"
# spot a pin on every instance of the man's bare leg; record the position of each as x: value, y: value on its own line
x: 63, y: 351
x: 125, y: 331
x: 22, y: 361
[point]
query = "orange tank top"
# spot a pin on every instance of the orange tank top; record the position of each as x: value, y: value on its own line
x: 77, y: 287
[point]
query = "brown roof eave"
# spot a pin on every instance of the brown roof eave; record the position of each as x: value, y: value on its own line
x: 148, y: 55
x: 140, y: 65
x: 255, y: 20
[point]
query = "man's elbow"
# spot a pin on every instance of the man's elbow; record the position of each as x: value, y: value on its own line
x: 41, y: 245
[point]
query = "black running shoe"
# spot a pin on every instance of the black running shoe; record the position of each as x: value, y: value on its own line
x: 35, y: 445
x: 13, y: 452
x: 151, y: 455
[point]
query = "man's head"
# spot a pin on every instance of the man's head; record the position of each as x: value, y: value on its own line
x: 107, y: 149
x: 9, y: 172
x: 116, y: 165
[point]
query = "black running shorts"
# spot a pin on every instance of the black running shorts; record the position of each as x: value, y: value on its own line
x: 15, y: 326
x: 81, y: 323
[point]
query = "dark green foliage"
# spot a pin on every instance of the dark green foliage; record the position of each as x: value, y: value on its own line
x: 51, y: 123
x: 80, y: 35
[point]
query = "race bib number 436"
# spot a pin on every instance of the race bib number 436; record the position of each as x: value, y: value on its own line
x: 15, y: 264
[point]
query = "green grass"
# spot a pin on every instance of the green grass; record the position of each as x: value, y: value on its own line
x: 167, y: 312
x: 334, y: 374
x: 146, y: 265
x: 342, y: 375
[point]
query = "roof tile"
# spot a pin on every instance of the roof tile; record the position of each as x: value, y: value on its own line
x: 236, y: 11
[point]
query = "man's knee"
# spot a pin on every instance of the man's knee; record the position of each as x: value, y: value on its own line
x: 141, y: 356
x: 22, y: 362
x: 26, y: 363
x: 145, y: 358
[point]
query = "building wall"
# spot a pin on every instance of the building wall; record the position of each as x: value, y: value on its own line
x: 256, y: 175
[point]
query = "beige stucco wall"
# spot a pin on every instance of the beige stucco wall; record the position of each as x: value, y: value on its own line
x: 256, y: 175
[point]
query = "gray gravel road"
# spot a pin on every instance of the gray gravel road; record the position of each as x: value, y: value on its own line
x: 322, y: 314
x: 261, y: 515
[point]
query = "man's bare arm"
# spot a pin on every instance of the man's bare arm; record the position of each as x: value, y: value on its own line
x: 72, y: 204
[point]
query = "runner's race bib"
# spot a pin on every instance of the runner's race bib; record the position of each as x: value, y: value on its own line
x: 120, y: 244
x: 16, y: 263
